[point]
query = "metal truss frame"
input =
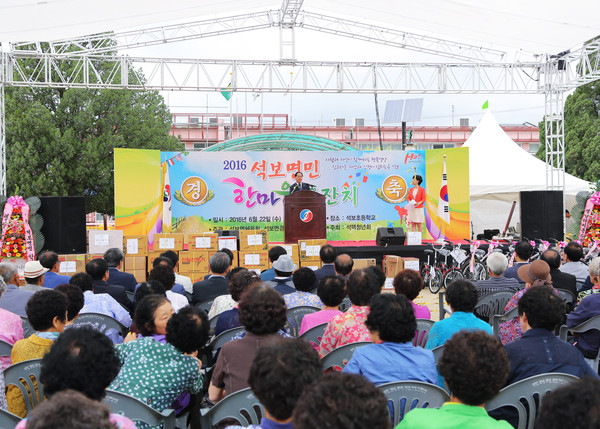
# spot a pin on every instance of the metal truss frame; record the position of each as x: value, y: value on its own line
x: 287, y: 18
x: 399, y: 39
x: 176, y: 74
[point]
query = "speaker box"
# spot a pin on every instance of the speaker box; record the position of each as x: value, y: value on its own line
x: 390, y: 236
x: 542, y: 215
x: 64, y: 224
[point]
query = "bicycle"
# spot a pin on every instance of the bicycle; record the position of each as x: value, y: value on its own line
x: 453, y: 272
x: 439, y: 274
x: 474, y: 268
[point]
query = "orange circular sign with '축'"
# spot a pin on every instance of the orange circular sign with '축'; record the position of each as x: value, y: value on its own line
x: 194, y: 190
x: 394, y: 188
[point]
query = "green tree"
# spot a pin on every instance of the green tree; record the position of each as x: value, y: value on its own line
x: 61, y: 142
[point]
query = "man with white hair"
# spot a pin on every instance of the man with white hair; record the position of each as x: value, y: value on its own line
x: 588, y: 342
x: 497, y: 264
x: 15, y: 298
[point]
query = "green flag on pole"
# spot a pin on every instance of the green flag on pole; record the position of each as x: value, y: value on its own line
x: 485, y: 105
x: 226, y: 92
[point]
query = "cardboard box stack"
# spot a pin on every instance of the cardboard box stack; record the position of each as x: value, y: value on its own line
x: 359, y: 264
x: 71, y: 264
x: 164, y: 242
x: 152, y: 255
x: 392, y: 265
x: 136, y: 265
x: 411, y: 264
x: 91, y: 256
x: 254, y: 253
x: 194, y: 263
x: 309, y: 250
x: 254, y: 239
x: 99, y: 241
x: 257, y: 260
x: 204, y: 241
x: 135, y: 245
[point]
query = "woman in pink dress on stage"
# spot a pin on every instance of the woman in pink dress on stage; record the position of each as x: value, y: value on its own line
x: 416, y: 214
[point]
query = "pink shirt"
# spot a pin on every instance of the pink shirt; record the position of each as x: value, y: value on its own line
x: 346, y: 328
x: 313, y: 319
x: 421, y: 311
x: 11, y: 331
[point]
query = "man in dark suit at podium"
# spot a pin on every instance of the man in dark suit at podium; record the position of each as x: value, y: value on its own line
x: 300, y: 185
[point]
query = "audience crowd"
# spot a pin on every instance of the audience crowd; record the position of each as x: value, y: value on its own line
x: 164, y: 360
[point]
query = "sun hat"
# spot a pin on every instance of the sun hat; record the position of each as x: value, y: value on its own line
x: 34, y: 269
x: 537, y: 270
x: 285, y: 264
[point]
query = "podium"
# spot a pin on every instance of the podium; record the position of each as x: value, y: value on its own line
x: 304, y: 216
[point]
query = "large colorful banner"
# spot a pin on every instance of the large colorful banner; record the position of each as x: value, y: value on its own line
x: 205, y: 191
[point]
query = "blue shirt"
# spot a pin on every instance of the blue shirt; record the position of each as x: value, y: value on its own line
x: 228, y: 319
x: 387, y: 362
x: 588, y: 342
x: 15, y: 299
x: 51, y: 279
x: 267, y: 275
x: 444, y: 329
x: 539, y: 351
x: 177, y: 288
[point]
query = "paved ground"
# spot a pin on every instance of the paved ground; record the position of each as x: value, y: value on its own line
x: 430, y: 300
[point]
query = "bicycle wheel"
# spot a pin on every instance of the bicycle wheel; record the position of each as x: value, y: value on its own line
x: 425, y: 274
x: 436, y: 280
x: 452, y: 275
x: 480, y: 272
x: 465, y: 269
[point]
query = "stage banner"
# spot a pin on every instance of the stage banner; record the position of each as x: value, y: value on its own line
x: 138, y: 191
x: 245, y: 190
x: 448, y: 207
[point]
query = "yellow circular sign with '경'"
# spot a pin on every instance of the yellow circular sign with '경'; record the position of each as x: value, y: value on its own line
x: 394, y: 188
x: 194, y: 190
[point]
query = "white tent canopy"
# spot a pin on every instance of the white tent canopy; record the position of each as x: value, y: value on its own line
x: 499, y: 169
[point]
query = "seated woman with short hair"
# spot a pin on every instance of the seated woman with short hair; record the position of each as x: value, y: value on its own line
x: 263, y: 314
x: 331, y: 291
x: 47, y: 314
x: 410, y: 283
x: 392, y: 357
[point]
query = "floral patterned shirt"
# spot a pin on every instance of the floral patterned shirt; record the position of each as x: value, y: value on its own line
x: 221, y: 304
x: 155, y: 373
x: 511, y: 330
x: 345, y: 329
x: 11, y: 331
x: 298, y: 299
